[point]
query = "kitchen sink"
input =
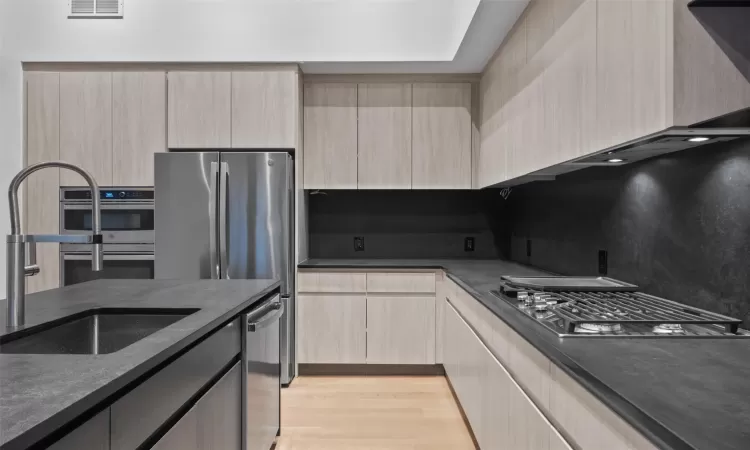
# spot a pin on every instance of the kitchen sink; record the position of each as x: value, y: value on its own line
x: 91, y: 332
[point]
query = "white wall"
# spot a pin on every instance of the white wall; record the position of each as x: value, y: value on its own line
x: 214, y: 31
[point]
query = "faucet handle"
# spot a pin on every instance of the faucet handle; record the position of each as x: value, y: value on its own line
x: 31, y: 268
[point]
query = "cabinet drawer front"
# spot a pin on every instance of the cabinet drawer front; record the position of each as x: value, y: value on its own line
x: 143, y: 410
x: 423, y: 283
x: 331, y: 282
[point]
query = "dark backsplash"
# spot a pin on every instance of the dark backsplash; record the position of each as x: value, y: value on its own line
x: 404, y: 224
x: 677, y: 226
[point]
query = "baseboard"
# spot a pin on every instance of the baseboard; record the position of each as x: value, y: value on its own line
x: 371, y: 369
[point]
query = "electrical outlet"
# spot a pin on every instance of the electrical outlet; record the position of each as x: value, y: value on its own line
x: 603, y: 269
x: 359, y: 243
x: 528, y: 248
x: 469, y: 244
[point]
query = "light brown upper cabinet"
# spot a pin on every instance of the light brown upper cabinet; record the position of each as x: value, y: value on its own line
x: 265, y: 106
x: 86, y: 126
x: 441, y: 136
x: 199, y: 109
x: 42, y: 211
x: 575, y: 77
x: 139, y: 125
x: 384, y: 136
x: 330, y: 136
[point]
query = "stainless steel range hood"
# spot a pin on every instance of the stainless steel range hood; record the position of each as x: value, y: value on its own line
x: 728, y: 22
x: 722, y: 129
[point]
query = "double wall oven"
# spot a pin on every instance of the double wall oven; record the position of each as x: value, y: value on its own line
x: 127, y: 226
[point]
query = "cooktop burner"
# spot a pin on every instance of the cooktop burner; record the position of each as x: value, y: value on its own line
x: 617, y: 313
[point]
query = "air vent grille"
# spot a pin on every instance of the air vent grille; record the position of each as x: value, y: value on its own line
x: 96, y: 8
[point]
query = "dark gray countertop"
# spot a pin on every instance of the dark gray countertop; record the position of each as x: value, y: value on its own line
x: 681, y: 393
x: 41, y: 393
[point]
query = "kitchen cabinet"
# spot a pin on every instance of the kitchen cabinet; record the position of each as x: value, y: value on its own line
x: 169, y: 389
x: 41, y: 195
x: 332, y: 328
x: 441, y: 142
x: 500, y: 413
x: 139, y: 119
x: 401, y: 329
x: 92, y: 435
x: 575, y: 77
x: 384, y: 136
x: 86, y: 126
x: 214, y: 422
x: 371, y: 317
x: 265, y: 109
x: 330, y: 136
x: 199, y: 108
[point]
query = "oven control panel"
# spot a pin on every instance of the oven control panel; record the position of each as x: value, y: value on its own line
x: 109, y: 194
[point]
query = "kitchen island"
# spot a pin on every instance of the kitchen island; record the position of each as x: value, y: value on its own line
x: 42, y: 396
x: 679, y: 393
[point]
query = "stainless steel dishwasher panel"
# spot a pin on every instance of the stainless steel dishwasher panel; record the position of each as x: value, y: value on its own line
x: 261, y: 383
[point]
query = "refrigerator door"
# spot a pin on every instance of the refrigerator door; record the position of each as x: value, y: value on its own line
x: 254, y: 220
x: 185, y: 197
x: 256, y: 223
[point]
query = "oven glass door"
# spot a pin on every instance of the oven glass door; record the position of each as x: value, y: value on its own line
x: 134, y: 217
x: 76, y: 268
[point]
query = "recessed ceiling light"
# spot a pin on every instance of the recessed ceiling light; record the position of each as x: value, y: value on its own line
x: 615, y: 160
x: 698, y: 139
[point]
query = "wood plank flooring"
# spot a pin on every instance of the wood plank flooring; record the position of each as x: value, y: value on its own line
x: 372, y: 413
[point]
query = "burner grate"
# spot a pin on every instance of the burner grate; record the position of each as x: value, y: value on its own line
x: 632, y: 308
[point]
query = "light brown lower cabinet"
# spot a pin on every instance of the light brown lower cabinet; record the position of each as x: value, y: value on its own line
x: 332, y: 328
x: 400, y: 329
x: 214, y: 422
x: 500, y: 413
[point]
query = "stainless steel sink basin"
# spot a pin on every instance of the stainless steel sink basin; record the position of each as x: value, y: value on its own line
x: 92, y: 332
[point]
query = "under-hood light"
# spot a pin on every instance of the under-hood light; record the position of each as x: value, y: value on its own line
x: 615, y: 160
x: 698, y: 139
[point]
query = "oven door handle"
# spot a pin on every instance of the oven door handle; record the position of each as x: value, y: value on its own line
x: 110, y: 256
x: 147, y: 206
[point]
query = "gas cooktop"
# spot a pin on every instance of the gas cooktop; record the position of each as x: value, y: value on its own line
x: 604, y: 307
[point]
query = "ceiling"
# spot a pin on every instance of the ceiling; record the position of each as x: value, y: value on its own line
x: 326, y: 36
x: 472, y: 45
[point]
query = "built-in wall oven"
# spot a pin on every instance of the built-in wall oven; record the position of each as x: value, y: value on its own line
x: 127, y: 227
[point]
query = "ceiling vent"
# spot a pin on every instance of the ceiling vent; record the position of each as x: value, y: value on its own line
x: 96, y: 9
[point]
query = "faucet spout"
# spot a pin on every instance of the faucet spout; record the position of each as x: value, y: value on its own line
x: 16, y: 269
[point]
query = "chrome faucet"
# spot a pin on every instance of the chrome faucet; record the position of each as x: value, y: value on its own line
x: 19, y: 264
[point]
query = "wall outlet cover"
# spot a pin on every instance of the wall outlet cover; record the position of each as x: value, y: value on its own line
x: 359, y: 243
x: 469, y: 244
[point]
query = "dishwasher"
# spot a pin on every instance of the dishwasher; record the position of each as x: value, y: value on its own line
x: 261, y: 383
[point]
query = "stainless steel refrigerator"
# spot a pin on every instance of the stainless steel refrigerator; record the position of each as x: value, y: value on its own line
x: 228, y: 215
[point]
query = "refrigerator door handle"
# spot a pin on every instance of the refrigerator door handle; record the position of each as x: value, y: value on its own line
x: 223, y: 199
x: 213, y: 254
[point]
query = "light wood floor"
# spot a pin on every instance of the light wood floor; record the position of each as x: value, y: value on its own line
x: 372, y: 413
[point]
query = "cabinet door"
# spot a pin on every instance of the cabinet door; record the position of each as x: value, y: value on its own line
x: 42, y: 190
x: 332, y: 329
x: 214, y: 422
x: 92, y: 435
x: 220, y: 413
x: 330, y: 136
x: 139, y: 126
x: 441, y: 146
x: 86, y: 126
x: 461, y: 353
x: 265, y: 106
x: 400, y: 330
x: 384, y: 136
x: 199, y: 109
